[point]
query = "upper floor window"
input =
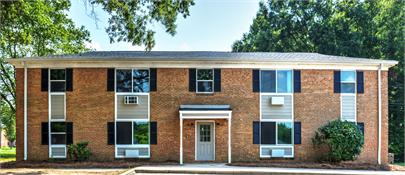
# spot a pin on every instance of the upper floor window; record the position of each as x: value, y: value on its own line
x: 276, y: 81
x: 132, y: 80
x: 205, y: 80
x: 348, y: 81
x: 58, y: 80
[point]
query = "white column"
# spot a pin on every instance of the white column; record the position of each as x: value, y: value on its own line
x: 379, y: 115
x: 181, y: 141
x: 229, y: 140
x: 25, y: 111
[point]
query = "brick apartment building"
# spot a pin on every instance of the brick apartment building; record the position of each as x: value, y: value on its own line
x: 225, y: 107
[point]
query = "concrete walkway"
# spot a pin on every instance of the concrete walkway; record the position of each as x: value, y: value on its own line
x: 224, y: 169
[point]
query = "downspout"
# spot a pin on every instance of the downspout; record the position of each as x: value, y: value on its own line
x: 379, y: 114
x: 25, y: 110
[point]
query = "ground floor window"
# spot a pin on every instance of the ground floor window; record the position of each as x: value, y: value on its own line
x: 276, y: 139
x: 132, y: 139
x: 276, y: 133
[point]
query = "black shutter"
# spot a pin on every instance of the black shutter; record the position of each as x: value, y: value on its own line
x: 256, y: 80
x: 153, y: 133
x: 268, y: 133
x: 217, y: 80
x: 297, y: 132
x: 44, y: 133
x: 44, y: 79
x: 256, y: 132
x: 360, y: 125
x: 110, y: 79
x: 124, y: 132
x: 360, y: 82
x: 110, y: 133
x: 336, y: 81
x: 69, y: 133
x: 153, y: 79
x: 191, y: 80
x: 297, y: 81
x: 69, y: 79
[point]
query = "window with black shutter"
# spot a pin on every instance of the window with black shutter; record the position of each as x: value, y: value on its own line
x: 44, y: 79
x: 297, y: 81
x: 44, y: 133
x: 268, y: 132
x: 69, y: 79
x: 153, y: 133
x: 153, y: 79
x: 110, y: 79
x: 217, y: 80
x: 124, y: 132
x: 110, y: 133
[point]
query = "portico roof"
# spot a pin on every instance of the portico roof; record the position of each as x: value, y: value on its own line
x: 205, y: 108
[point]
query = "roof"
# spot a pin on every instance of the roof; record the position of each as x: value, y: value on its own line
x: 205, y: 56
x: 199, y: 57
x: 205, y: 108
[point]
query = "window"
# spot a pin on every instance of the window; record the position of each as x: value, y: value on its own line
x: 276, y: 133
x: 140, y: 133
x: 348, y: 81
x: 276, y: 81
x: 348, y: 95
x: 58, y: 133
x: 284, y: 133
x: 58, y: 80
x: 205, y: 80
x: 136, y: 132
x: 132, y: 80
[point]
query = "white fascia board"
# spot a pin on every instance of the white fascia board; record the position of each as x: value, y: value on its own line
x: 202, y: 64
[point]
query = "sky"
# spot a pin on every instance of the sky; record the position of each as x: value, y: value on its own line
x: 213, y: 25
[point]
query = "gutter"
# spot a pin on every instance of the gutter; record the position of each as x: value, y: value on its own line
x: 379, y: 114
x: 25, y: 110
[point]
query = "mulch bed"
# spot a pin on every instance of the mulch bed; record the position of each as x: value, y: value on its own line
x: 68, y: 164
x: 315, y: 165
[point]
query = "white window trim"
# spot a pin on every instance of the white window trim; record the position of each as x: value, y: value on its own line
x: 349, y: 94
x: 57, y: 146
x: 196, y: 81
x: 132, y: 81
x: 130, y: 120
x: 50, y: 120
x: 276, y: 81
x: 276, y: 146
x: 277, y: 120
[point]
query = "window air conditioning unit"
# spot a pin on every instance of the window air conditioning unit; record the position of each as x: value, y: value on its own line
x: 131, y: 153
x: 130, y: 100
x: 277, y: 153
x: 278, y: 101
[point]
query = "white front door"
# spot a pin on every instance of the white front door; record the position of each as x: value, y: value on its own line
x: 205, y: 142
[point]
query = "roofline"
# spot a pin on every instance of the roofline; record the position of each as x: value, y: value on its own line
x: 181, y: 63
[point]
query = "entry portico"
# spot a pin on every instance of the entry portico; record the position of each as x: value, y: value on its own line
x: 205, y: 117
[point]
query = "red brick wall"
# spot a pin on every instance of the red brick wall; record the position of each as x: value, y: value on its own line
x: 90, y: 107
x: 172, y: 91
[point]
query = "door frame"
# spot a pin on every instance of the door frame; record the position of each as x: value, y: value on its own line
x: 196, y: 137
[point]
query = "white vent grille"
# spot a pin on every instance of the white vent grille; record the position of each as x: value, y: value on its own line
x: 131, y: 100
x: 58, y: 152
x: 133, y: 152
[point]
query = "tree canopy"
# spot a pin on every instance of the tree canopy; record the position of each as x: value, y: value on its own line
x: 371, y: 29
x: 32, y: 28
x: 133, y: 21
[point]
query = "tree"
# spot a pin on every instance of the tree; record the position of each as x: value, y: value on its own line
x: 132, y: 21
x: 372, y: 29
x: 32, y: 28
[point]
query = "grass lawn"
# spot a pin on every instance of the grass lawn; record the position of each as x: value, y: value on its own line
x: 7, y: 154
x: 400, y: 163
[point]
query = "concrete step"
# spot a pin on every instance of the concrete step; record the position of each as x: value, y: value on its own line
x: 224, y: 169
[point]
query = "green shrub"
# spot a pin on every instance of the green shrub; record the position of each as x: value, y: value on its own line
x: 343, y: 140
x: 79, y: 151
